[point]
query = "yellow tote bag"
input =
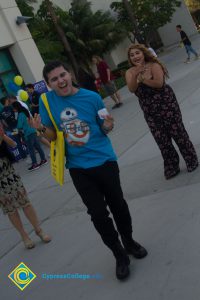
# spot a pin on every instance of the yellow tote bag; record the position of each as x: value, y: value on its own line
x: 57, y: 148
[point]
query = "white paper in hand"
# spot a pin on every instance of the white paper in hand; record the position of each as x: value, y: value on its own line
x: 102, y: 113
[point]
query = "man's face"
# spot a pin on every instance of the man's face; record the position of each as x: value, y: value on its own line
x: 11, y: 100
x: 7, y: 102
x: 60, y: 81
x: 30, y: 90
x: 178, y: 29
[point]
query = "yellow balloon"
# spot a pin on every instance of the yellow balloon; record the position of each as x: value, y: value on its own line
x: 18, y: 80
x: 23, y: 95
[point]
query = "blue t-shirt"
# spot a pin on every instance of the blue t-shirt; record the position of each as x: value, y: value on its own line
x: 22, y: 123
x: 86, y: 144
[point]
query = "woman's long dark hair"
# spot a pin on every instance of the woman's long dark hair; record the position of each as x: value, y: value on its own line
x: 19, y: 108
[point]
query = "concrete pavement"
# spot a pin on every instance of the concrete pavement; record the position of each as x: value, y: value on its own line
x: 166, y: 214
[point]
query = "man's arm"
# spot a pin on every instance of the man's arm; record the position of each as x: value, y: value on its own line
x: 48, y: 132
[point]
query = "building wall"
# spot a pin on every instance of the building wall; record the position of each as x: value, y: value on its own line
x: 19, y: 42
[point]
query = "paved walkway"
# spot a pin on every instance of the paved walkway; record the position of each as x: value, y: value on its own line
x: 166, y: 215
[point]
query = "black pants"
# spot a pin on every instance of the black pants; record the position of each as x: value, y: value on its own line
x: 100, y: 187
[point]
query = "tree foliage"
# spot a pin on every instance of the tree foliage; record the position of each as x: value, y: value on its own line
x: 149, y: 14
x: 87, y: 32
x: 25, y: 7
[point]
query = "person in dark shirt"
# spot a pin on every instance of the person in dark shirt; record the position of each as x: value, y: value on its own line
x: 86, y: 80
x: 187, y: 43
x: 7, y: 114
x: 34, y: 98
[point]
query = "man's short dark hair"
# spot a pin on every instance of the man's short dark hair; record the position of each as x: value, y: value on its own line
x: 51, y: 66
x: 29, y: 86
x: 3, y: 100
x: 179, y: 26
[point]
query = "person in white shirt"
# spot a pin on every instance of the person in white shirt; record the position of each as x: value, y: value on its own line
x: 13, y: 98
x: 152, y: 51
x: 147, y: 45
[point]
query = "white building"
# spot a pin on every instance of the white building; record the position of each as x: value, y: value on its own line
x: 18, y: 52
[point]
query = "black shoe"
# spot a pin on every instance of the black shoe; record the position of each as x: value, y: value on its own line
x: 122, y: 261
x: 171, y: 175
x: 192, y: 168
x: 34, y: 167
x: 115, y: 106
x: 122, y: 267
x: 134, y: 248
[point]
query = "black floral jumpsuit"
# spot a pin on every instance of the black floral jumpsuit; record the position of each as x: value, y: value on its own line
x: 163, y: 116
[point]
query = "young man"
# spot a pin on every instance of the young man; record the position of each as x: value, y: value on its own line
x: 34, y: 98
x: 187, y: 43
x: 91, y: 160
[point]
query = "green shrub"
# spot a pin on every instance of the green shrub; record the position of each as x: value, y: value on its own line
x: 123, y: 64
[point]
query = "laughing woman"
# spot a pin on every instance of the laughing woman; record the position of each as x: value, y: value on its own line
x: 14, y: 196
x: 146, y: 78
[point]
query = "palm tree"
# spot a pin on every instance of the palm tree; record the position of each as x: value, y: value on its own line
x: 62, y: 36
x: 25, y: 7
x: 87, y: 33
x: 91, y: 33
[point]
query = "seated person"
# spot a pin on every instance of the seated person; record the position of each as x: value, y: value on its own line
x: 7, y: 114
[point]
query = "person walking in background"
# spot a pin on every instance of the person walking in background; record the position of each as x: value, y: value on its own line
x: 14, y: 196
x: 146, y: 78
x: 106, y: 77
x: 30, y: 135
x: 187, y: 43
x: 91, y: 159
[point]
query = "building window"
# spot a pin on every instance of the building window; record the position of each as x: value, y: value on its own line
x: 8, y: 71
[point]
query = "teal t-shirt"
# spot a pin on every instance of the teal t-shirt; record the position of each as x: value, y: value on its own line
x: 86, y: 144
x: 22, y: 123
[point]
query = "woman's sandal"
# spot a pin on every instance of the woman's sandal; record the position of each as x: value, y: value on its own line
x: 29, y: 244
x: 44, y: 237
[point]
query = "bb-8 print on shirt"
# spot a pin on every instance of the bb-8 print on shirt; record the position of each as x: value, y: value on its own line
x: 77, y: 132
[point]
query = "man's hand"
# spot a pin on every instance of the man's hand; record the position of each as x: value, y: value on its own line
x: 108, y: 124
x: 35, y: 122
